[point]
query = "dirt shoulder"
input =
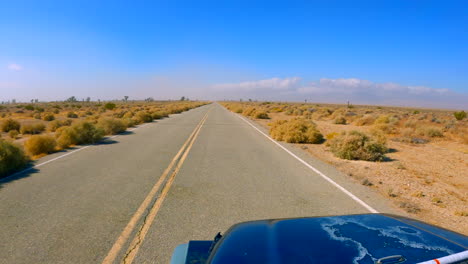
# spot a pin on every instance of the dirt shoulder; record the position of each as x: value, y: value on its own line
x: 428, y: 181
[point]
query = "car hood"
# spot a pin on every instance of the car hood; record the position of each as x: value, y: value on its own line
x: 339, y: 239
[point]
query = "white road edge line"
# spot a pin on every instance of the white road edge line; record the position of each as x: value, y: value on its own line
x: 354, y: 197
x: 64, y: 155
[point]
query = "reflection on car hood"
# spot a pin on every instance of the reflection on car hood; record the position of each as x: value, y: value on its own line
x: 338, y: 239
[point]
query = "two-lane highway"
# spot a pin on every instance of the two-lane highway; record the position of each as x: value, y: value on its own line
x: 79, y: 208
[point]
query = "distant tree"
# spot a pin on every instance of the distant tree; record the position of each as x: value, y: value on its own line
x: 126, y: 98
x: 240, y: 100
x: 32, y: 100
x: 250, y: 100
x: 13, y: 101
x: 71, y: 99
x: 182, y: 98
x: 88, y: 99
x: 36, y: 100
x: 149, y: 99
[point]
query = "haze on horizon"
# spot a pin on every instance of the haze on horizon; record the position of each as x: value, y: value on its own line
x: 404, y: 53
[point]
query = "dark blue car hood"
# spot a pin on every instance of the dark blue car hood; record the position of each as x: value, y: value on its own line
x: 340, y: 239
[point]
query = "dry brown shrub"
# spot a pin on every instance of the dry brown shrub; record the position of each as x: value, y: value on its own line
x: 35, y: 128
x: 355, y: 145
x: 111, y: 126
x: 13, y: 134
x: 365, y: 120
x: 40, y: 144
x: 382, y: 119
x: 12, y: 158
x: 249, y: 111
x: 54, y: 125
x: 429, y: 132
x: 259, y: 114
x: 296, y: 131
x: 340, y: 120
x: 385, y: 128
x: 321, y: 113
x: 143, y: 117
x: 128, y: 114
x: 10, y: 124
x: 48, y: 117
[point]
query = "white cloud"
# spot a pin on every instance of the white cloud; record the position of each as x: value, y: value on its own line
x: 15, y: 67
x: 269, y: 84
x: 355, y: 90
x: 353, y: 86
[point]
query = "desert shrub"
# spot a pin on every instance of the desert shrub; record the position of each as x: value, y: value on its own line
x: 355, y: 145
x: 66, y: 137
x: 365, y: 120
x: 340, y: 120
x: 111, y: 125
x: 238, y: 110
x: 40, y: 144
x: 411, y: 124
x: 109, y: 106
x: 321, y: 113
x: 382, y: 119
x: 261, y: 115
x: 54, y: 125
x: 460, y: 115
x: 143, y: 117
x: 29, y: 107
x: 12, y: 158
x: 296, y: 131
x: 340, y: 112
x: 32, y: 129
x: 55, y: 111
x: 87, y: 133
x: 129, y: 122
x: 48, y: 117
x: 79, y: 133
x: 385, y: 128
x: 249, y: 111
x: 159, y: 115
x: 176, y: 110
x: 379, y: 136
x: 298, y: 112
x: 37, y: 116
x: 13, y: 134
x: 72, y: 115
x: 430, y: 132
x: 10, y: 124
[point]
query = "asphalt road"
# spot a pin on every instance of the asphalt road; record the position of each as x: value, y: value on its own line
x: 75, y: 209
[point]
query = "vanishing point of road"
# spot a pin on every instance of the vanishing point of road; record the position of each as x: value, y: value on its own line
x: 135, y: 196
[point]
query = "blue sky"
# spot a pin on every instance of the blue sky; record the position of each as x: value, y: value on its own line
x: 373, y: 51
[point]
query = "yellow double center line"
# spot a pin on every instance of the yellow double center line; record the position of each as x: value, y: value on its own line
x: 132, y: 250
